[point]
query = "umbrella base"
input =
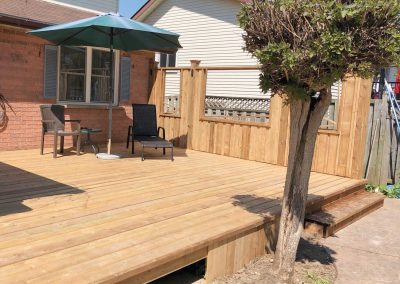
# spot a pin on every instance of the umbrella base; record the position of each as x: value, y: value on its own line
x: 105, y: 156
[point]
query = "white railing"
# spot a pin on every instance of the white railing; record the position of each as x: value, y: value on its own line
x: 240, y: 109
x: 171, y: 104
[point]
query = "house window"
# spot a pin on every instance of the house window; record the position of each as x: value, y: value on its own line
x: 84, y: 75
x: 100, y: 81
x: 167, y: 60
x: 72, y: 74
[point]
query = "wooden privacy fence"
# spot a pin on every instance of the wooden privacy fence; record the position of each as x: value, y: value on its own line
x: 382, y: 155
x: 339, y: 152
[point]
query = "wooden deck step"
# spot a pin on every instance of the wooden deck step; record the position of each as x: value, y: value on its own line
x: 65, y: 220
x: 316, y: 205
x: 341, y: 213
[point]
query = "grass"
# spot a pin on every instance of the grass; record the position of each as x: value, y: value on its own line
x: 390, y: 191
x: 315, y: 279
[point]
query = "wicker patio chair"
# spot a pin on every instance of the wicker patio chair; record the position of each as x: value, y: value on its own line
x: 53, y: 123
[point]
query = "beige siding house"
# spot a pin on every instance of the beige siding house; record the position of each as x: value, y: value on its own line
x: 210, y: 33
x: 208, y: 29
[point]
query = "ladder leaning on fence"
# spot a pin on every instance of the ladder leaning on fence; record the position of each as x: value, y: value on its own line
x: 394, y: 106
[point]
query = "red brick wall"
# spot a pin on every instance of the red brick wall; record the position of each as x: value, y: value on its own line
x: 21, y: 82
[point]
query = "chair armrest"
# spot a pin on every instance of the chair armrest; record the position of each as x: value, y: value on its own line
x: 163, y: 132
x: 77, y: 121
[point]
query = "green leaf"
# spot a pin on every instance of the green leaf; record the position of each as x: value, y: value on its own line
x: 306, y: 45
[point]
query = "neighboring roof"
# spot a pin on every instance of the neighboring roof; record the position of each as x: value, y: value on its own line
x: 39, y: 13
x: 150, y: 5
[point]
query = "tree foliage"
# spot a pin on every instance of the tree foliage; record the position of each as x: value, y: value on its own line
x: 305, y: 46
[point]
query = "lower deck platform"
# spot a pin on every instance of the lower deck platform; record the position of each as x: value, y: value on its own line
x: 83, y: 220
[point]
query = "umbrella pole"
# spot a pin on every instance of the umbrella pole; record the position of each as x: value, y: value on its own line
x: 108, y: 155
x: 111, y: 90
x: 109, y: 129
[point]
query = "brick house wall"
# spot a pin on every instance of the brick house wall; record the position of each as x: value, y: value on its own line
x: 21, y: 82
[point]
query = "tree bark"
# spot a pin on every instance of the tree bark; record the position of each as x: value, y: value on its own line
x: 305, y: 119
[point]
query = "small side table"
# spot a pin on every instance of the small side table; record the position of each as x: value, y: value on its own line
x: 88, y: 141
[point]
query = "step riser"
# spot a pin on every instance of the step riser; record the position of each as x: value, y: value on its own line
x: 337, y: 227
x: 323, y: 230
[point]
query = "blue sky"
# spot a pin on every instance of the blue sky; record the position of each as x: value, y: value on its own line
x: 128, y: 7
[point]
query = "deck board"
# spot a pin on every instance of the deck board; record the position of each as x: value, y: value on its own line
x: 65, y: 220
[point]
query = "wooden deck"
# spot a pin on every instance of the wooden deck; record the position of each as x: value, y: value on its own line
x: 83, y: 220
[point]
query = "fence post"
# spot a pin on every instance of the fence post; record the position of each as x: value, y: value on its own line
x: 153, y: 67
x: 378, y: 164
x: 279, y: 121
x: 192, y: 101
x: 155, y: 85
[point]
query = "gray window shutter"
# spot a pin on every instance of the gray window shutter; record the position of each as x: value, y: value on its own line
x: 50, y: 71
x: 125, y: 78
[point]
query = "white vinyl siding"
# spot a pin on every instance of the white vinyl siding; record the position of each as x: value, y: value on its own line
x: 209, y: 32
x: 98, y: 5
x: 208, y: 29
x: 172, y: 91
x: 243, y: 83
x: 172, y: 83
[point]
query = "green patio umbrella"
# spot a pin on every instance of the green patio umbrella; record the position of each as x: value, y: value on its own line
x: 114, y: 32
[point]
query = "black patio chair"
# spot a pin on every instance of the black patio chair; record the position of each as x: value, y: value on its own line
x: 145, y: 130
x: 53, y: 123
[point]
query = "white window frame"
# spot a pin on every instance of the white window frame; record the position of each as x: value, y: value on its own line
x: 88, y: 74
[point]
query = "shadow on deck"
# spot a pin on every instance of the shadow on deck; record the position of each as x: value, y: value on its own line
x: 18, y: 185
x: 141, y: 220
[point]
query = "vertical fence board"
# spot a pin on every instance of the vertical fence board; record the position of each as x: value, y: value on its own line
x: 332, y: 154
x: 359, y: 132
x: 346, y: 113
x: 339, y: 151
x: 382, y: 163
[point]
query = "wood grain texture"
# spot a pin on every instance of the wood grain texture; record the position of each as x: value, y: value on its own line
x: 64, y: 220
x: 339, y: 152
x: 382, y: 153
x: 343, y: 212
x: 231, y: 255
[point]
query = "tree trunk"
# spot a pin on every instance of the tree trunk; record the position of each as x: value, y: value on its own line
x: 305, y: 119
